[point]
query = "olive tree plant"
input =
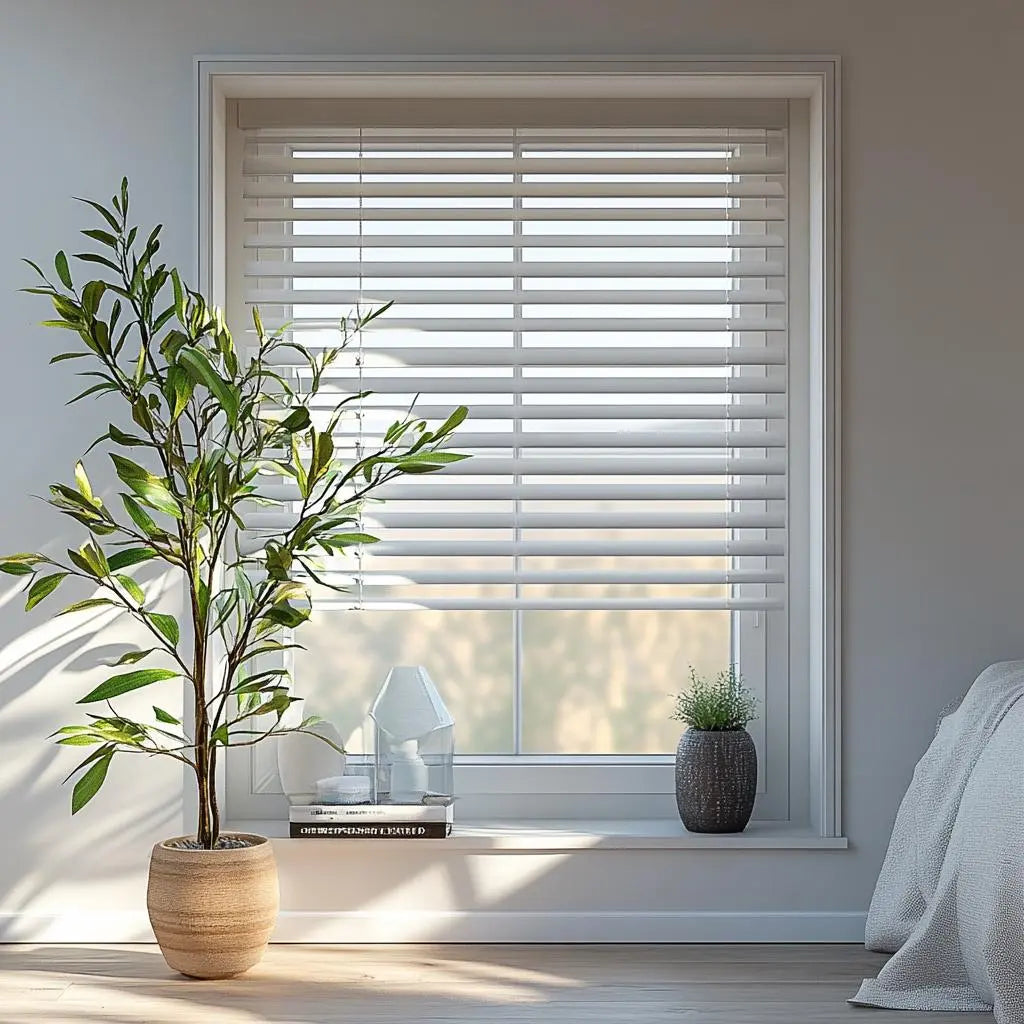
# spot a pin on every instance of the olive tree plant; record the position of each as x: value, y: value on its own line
x: 210, y: 425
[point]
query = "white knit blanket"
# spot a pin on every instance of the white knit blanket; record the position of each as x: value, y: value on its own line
x: 949, y: 903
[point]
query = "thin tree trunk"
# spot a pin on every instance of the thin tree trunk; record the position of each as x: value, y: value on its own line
x: 214, y: 808
x: 204, y: 825
x: 204, y: 828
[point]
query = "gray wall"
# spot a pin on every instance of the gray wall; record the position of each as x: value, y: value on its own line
x: 933, y: 212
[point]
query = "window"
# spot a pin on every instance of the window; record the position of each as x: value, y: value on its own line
x: 618, y: 291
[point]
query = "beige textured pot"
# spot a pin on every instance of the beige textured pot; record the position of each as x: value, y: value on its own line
x: 213, y: 910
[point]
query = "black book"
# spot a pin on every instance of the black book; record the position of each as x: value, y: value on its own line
x: 370, y: 830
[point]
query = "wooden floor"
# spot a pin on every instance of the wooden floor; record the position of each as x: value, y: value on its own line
x: 365, y: 984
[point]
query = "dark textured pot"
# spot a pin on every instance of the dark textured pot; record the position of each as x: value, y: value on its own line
x: 716, y: 779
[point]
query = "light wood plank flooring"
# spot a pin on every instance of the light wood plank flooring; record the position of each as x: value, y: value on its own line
x: 599, y: 984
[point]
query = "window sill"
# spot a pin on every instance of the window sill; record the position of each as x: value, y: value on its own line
x: 653, y: 834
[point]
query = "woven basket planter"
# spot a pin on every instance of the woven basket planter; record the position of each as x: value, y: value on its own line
x: 213, y: 910
x: 716, y: 779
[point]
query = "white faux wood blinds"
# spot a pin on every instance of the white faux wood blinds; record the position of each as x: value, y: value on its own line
x: 609, y: 302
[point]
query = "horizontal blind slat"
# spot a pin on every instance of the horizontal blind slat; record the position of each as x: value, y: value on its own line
x: 559, y: 604
x: 263, y: 212
x: 573, y: 325
x: 370, y: 269
x: 372, y: 297
x: 622, y: 577
x: 511, y: 190
x: 367, y: 240
x: 620, y: 385
x: 418, y: 164
x: 620, y: 411
x: 547, y: 356
x: 468, y: 440
x: 469, y: 493
x: 459, y: 521
x: 567, y: 548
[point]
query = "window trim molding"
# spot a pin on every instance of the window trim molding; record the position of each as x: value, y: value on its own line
x: 813, y: 78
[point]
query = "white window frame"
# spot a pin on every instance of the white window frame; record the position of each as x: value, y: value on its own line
x: 805, y: 746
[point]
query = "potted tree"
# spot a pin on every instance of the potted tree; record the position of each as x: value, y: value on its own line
x: 204, y: 427
x: 716, y: 763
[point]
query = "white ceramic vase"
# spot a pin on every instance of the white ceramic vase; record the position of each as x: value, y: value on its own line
x: 301, y: 760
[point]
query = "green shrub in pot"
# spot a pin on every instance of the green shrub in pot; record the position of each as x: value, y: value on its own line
x: 716, y: 763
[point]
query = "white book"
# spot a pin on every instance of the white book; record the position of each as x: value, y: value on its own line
x: 357, y: 813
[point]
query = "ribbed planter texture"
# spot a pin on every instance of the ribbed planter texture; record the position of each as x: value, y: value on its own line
x: 213, y: 910
x: 716, y: 779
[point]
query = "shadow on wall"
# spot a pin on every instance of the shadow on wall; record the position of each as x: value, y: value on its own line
x: 49, y: 863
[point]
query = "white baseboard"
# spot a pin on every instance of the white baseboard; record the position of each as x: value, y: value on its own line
x: 76, y: 926
x: 470, y: 926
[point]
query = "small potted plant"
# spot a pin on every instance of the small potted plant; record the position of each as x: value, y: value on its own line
x: 204, y: 426
x: 716, y: 763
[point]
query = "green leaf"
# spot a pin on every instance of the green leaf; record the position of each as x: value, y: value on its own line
x: 323, y: 452
x: 80, y: 562
x: 346, y: 539
x: 179, y: 295
x: 155, y: 493
x: 439, y: 458
x: 279, y: 703
x: 373, y: 314
x: 151, y: 489
x: 167, y: 624
x: 134, y: 590
x: 181, y: 388
x: 89, y: 784
x: 129, y: 472
x: 79, y: 741
x: 99, y: 235
x: 139, y: 516
x: 43, y: 587
x: 162, y: 319
x: 16, y: 568
x: 131, y: 556
x: 103, y: 212
x: 287, y: 615
x: 94, y: 557
x: 118, y: 436
x: 92, y: 602
x: 297, y: 419
x: 126, y: 682
x: 27, y: 557
x: 202, y: 371
x: 165, y: 716
x: 243, y: 585
x: 84, y: 487
x: 131, y: 657
x: 94, y: 390
x: 68, y: 355
x: 60, y: 263
x: 92, y: 293
x: 452, y: 422
x: 298, y: 469
x: 95, y: 257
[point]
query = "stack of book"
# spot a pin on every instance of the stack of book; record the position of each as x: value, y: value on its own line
x: 370, y: 821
